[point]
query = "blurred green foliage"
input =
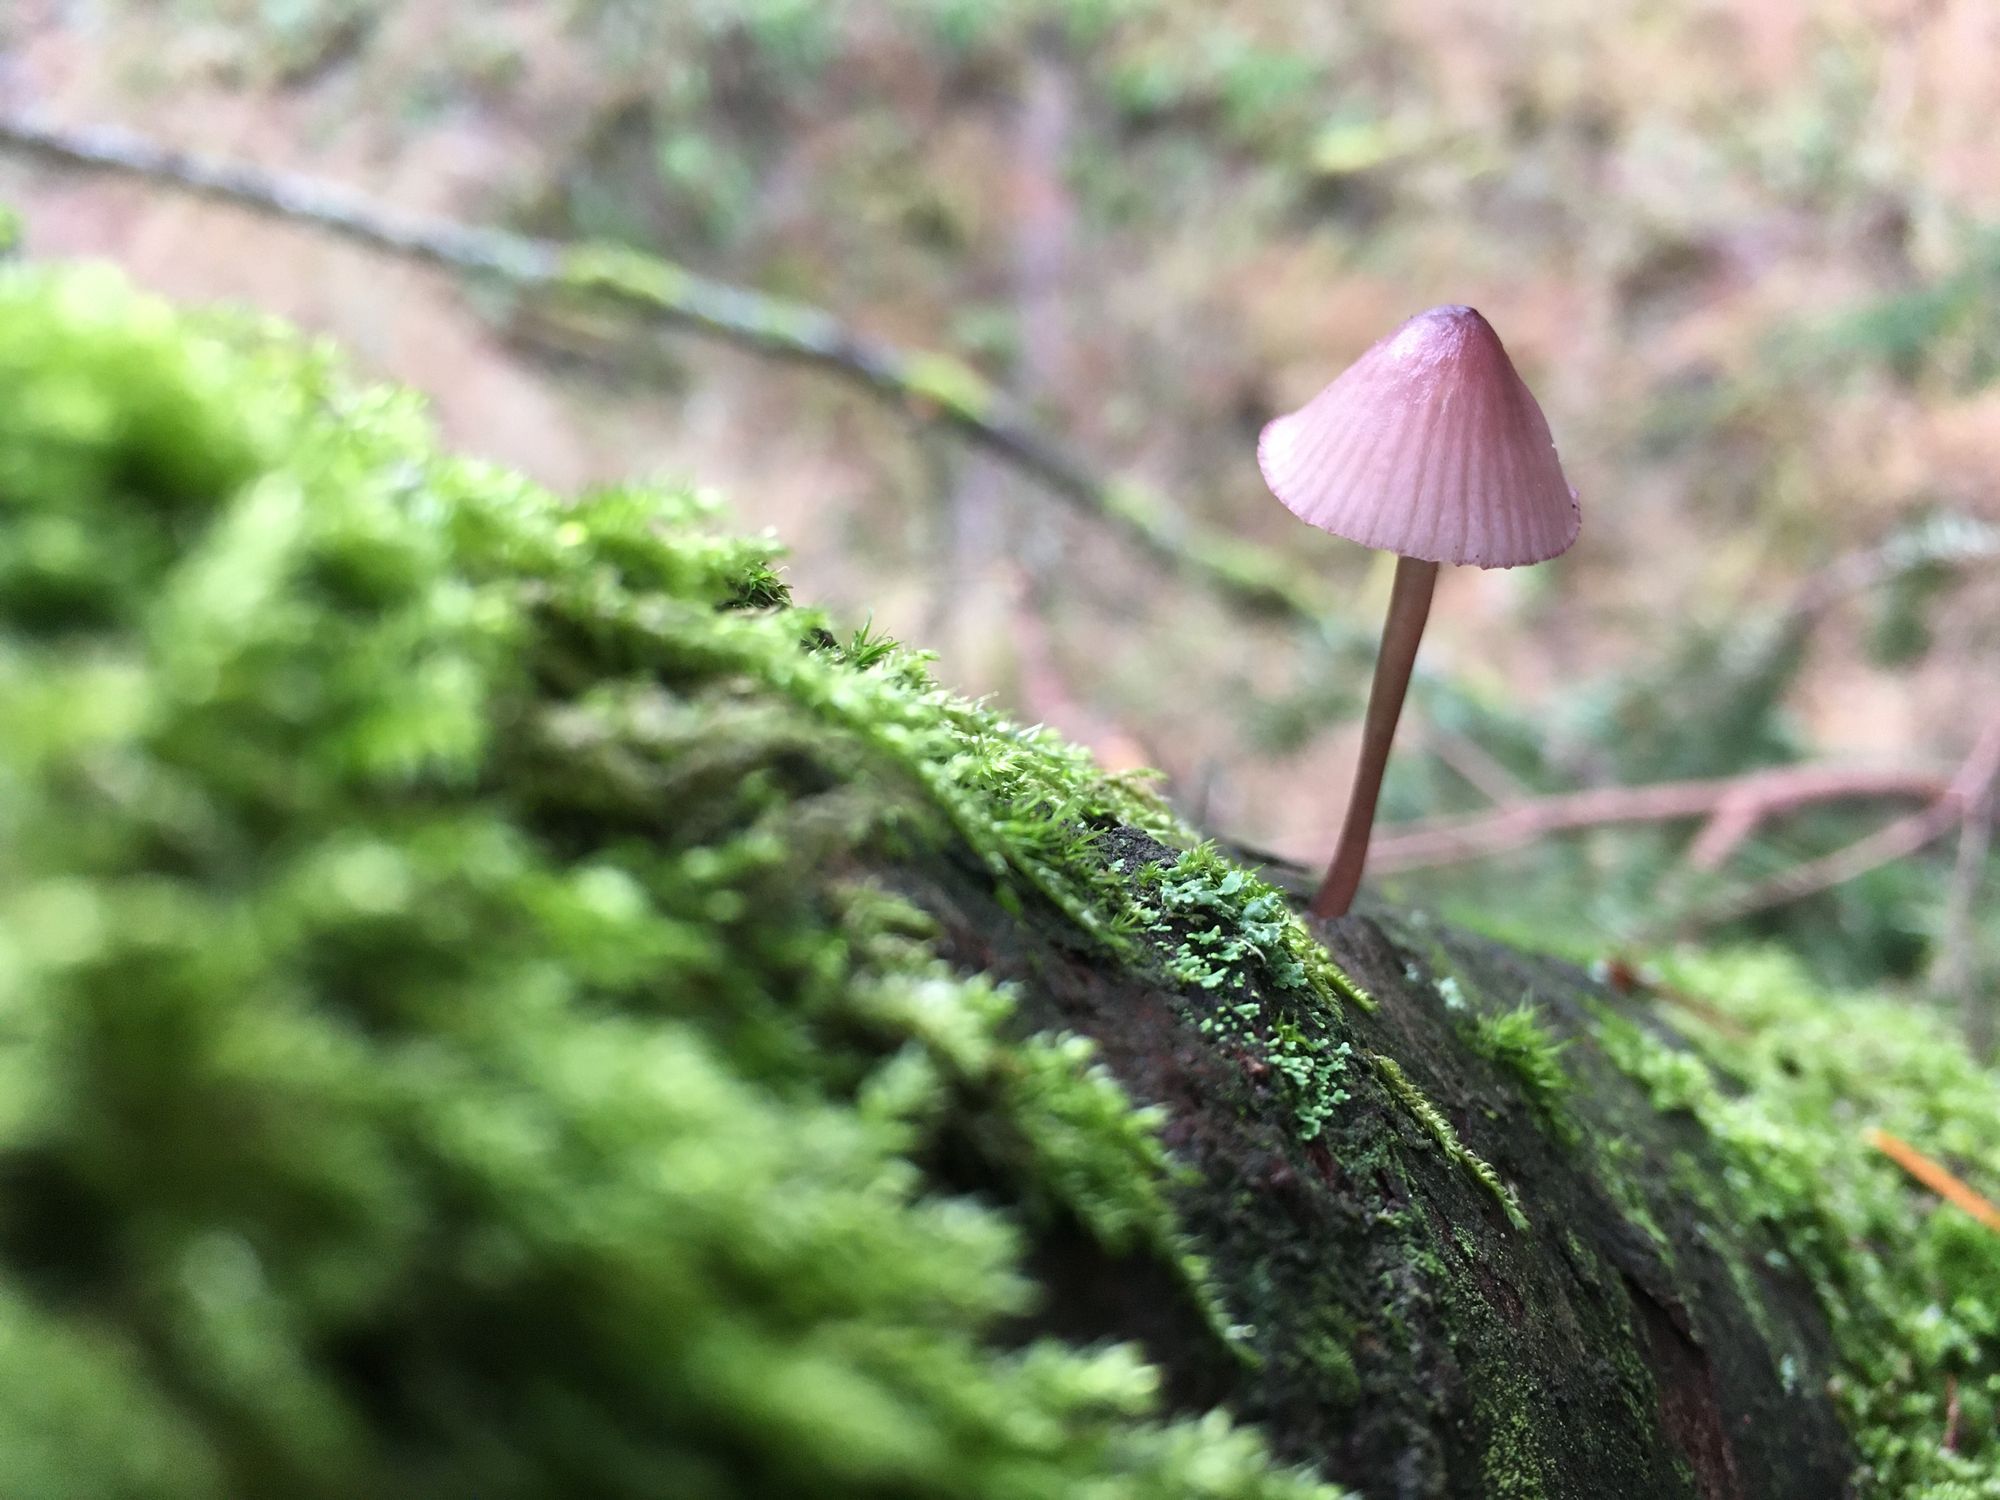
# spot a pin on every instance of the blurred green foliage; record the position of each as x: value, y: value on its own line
x: 1947, y: 328
x: 1787, y: 1080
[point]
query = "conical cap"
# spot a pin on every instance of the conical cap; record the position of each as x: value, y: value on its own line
x: 1429, y: 446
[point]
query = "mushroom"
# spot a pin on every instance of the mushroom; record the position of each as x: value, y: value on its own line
x: 1429, y: 446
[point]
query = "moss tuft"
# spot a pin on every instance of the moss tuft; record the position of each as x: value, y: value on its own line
x: 1517, y: 1041
x: 454, y: 1043
x: 1272, y: 990
x: 1432, y: 1119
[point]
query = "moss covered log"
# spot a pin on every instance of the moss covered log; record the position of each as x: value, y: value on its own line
x: 495, y: 1001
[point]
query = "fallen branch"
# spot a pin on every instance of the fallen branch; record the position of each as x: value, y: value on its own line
x: 931, y: 387
x: 1474, y: 764
x: 1955, y: 974
x: 1759, y: 797
x: 1444, y: 841
x: 1964, y: 796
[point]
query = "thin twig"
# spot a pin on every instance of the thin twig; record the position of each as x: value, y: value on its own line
x: 1626, y: 978
x: 1956, y: 975
x: 1726, y: 831
x: 1765, y: 795
x: 1967, y: 792
x: 1939, y: 1178
x: 933, y: 387
x: 1444, y: 841
x: 1474, y: 764
x: 1887, y: 844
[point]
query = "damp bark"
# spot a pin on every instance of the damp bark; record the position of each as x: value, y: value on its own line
x: 1396, y: 1326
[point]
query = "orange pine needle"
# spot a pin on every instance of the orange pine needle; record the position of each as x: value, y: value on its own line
x: 1936, y: 1178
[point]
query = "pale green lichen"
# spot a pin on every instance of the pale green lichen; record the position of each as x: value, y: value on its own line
x: 951, y: 384
x: 453, y: 1041
x: 627, y: 275
x: 1512, y: 1466
x: 1248, y: 921
x: 1275, y: 992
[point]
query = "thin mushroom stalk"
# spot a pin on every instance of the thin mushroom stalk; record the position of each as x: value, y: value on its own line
x: 1402, y: 632
x: 1429, y: 446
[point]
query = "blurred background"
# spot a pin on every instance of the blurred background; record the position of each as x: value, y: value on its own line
x: 1747, y: 253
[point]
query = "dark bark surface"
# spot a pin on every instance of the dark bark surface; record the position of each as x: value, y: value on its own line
x: 1396, y: 1328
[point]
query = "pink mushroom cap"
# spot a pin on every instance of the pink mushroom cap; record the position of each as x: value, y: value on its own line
x: 1429, y: 446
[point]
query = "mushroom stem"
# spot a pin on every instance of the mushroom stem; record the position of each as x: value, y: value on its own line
x: 1409, y: 607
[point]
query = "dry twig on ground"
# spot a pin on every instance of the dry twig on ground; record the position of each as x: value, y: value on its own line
x: 1755, y: 797
x: 1965, y: 796
x: 931, y: 387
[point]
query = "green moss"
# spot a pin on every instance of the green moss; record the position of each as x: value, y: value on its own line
x: 628, y: 275
x: 1244, y: 928
x: 1513, y: 1466
x: 1911, y: 1287
x: 453, y: 1041
x: 1614, y: 1161
x: 1517, y: 1041
x: 1428, y: 1115
x: 1276, y: 993
x: 1324, y: 1347
x: 951, y: 384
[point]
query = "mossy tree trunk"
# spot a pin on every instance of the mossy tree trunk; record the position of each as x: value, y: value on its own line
x: 1526, y: 1292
